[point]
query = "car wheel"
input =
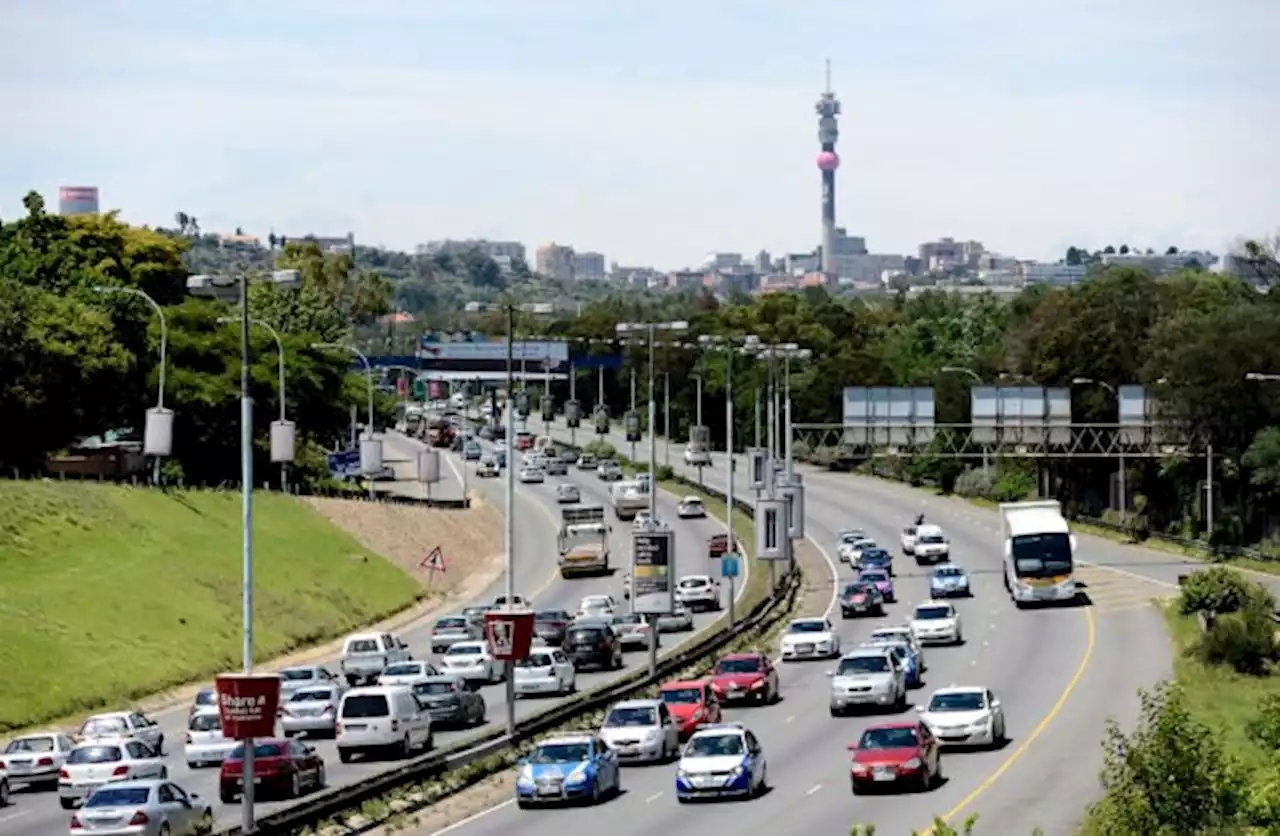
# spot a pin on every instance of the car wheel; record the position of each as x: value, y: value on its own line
x: 164, y: 829
x: 854, y: 786
x: 937, y: 773
x: 226, y: 797
x: 164, y: 773
x: 595, y: 791
x: 344, y: 755
x: 205, y: 825
x: 160, y: 746
x: 4, y: 793
x: 321, y: 778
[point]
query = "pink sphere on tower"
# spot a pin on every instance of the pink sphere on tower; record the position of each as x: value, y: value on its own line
x: 828, y: 161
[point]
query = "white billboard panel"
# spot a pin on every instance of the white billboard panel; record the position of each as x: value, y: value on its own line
x: 1059, y: 415
x: 984, y: 413
x: 925, y: 414
x: 1132, y: 402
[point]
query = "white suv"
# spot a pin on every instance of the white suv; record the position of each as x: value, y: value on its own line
x: 698, y: 592
x: 694, y: 457
x: 931, y: 545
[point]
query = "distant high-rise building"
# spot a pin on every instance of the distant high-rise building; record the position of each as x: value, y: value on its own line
x: 78, y: 200
x: 763, y: 262
x: 497, y: 250
x: 554, y: 260
x: 588, y: 267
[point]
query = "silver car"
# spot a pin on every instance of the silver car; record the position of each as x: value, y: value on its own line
x: 869, y: 677
x: 641, y: 730
x: 163, y: 808
x: 451, y: 701
x: 452, y: 629
x: 206, y: 745
x: 91, y: 765
x: 311, y: 711
x: 34, y: 759
x: 679, y: 620
x: 303, y: 676
x: 557, y: 466
x: 632, y: 630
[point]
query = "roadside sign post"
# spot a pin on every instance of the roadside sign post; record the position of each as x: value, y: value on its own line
x: 433, y: 562
x: 247, y: 708
x: 729, y: 568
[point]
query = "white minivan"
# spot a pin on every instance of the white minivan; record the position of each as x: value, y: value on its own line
x: 381, y: 718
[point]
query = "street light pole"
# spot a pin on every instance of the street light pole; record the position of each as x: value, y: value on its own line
x: 164, y: 348
x: 633, y: 409
x: 368, y: 377
x: 275, y: 335
x: 509, y: 556
x: 666, y: 418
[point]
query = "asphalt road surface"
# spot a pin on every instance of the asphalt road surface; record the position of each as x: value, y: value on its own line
x: 38, y: 813
x: 1059, y: 672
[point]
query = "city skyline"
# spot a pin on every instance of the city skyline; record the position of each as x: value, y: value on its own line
x: 1146, y: 125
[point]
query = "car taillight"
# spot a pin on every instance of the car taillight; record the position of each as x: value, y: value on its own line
x: 139, y: 819
x: 62, y: 773
x: 46, y: 762
x: 119, y: 771
x: 188, y: 738
x: 337, y: 728
x: 76, y: 824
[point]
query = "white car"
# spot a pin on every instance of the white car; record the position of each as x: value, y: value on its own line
x: 118, y: 724
x: 698, y: 592
x: 90, y: 765
x: 568, y: 494
x: 851, y: 552
x: 695, y: 457
x: 597, y: 606
x: 867, y: 677
x: 679, y: 620
x: 809, y: 638
x: 691, y: 508
x: 546, y: 670
x: 472, y: 662
x: 909, y: 540
x: 931, y: 545
x: 488, y: 468
x: 206, y: 745
x: 643, y: 519
x: 530, y: 475
x: 896, y: 634
x: 936, y: 622
x: 406, y: 673
x: 159, y: 807
x: 723, y: 759
x: 641, y: 730
x: 849, y: 536
x: 964, y: 715
x: 34, y: 759
x: 609, y: 471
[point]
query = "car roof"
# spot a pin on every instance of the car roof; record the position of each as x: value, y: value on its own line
x: 901, y: 724
x: 372, y: 690
x: 929, y: 528
x: 470, y: 643
x: 582, y: 737
x: 941, y: 566
x: 719, y: 729
x: 961, y: 689
x: 691, y: 499
x: 865, y: 650
x: 684, y: 683
x: 809, y: 620
x: 136, y: 784
x: 746, y: 654
x: 108, y: 715
x: 637, y: 704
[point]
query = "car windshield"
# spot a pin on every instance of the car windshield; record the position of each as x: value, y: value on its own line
x: 632, y: 716
x: 96, y: 754
x: 692, y: 583
x: 458, y: 623
x: 875, y: 556
x: 738, y: 666
x: 933, y: 613
x: 628, y: 619
x: 890, y: 635
x: 807, y: 627
x: 30, y: 744
x: 365, y: 705
x: 260, y: 750
x: 312, y: 695
x: 958, y: 701
x: 119, y: 797
x: 713, y: 745
x: 205, y: 722
x: 1041, y: 555
x: 403, y: 669
x: 561, y: 753
x: 948, y: 572
x: 362, y: 646
x: 875, y: 577
x: 207, y: 697
x: 585, y: 635
x: 891, y: 738
x: 855, y: 665
x: 435, y: 689
x: 552, y: 615
x: 856, y: 589
x: 465, y: 650
x: 682, y: 695
x: 535, y: 660
x: 297, y: 674
x: 104, y: 725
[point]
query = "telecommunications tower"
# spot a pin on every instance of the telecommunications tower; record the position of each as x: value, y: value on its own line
x: 828, y: 109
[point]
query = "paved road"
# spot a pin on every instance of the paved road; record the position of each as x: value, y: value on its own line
x: 1060, y: 673
x: 38, y: 813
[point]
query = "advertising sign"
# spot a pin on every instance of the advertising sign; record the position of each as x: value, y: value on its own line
x: 509, y: 633
x: 494, y: 351
x: 631, y: 422
x: 573, y: 413
x: 602, y: 420
x: 652, y: 587
x: 247, y: 704
x: 344, y: 464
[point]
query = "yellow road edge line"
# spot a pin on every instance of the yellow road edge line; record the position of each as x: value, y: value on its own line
x: 1031, y: 738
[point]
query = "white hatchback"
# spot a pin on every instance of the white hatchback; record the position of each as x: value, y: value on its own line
x: 472, y: 662
x: 936, y: 622
x: 545, y: 671
x: 90, y: 765
x: 380, y: 718
x: 206, y: 745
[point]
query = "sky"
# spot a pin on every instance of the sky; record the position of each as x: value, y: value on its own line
x: 655, y: 132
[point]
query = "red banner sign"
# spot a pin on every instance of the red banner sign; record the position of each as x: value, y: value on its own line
x: 247, y: 704
x: 509, y: 633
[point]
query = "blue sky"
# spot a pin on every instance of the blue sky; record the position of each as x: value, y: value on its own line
x: 655, y: 132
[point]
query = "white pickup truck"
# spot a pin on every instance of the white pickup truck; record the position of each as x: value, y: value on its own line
x: 630, y: 497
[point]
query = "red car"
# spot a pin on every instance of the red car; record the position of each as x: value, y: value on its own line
x: 692, y: 704
x: 717, y: 545
x: 282, y: 767
x: 895, y: 754
x: 524, y: 441
x: 740, y: 677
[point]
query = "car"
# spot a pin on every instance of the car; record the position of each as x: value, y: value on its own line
x: 312, y: 711
x: 488, y: 468
x: 809, y: 638
x: 597, y: 606
x: 698, y: 592
x: 718, y: 545
x: 860, y: 598
x: 303, y: 676
x: 894, y: 754
x: 949, y: 580
x: 691, y: 508
x: 679, y: 620
x: 119, y: 724
x: 900, y: 634
x: 451, y: 629
x: 632, y: 630
x: 882, y: 581
x: 516, y: 600
x: 937, y: 622
x: 546, y: 670
x: 745, y: 677
x: 909, y: 540
x: 591, y: 643
x: 876, y: 558
x: 565, y: 768
x: 609, y: 471
x: 643, y: 520
x: 849, y: 536
x: 451, y: 701
x: 641, y: 730
x: 965, y: 715
x: 907, y: 657
x: 206, y: 745
x: 524, y: 440
x: 471, y: 661
x: 281, y: 768
x: 364, y: 655
x: 472, y: 451
x: 205, y: 698
x: 91, y: 765
x: 532, y: 475
x: 931, y: 545
x: 868, y: 677
x: 697, y: 457
x: 500, y: 457
x: 586, y: 461
x: 848, y: 551
x: 406, y: 673
x: 692, y: 703
x: 33, y: 760
x: 475, y: 617
x: 143, y: 807
x: 556, y: 466
x: 567, y: 494
x: 569, y: 455
x: 549, y: 626
x: 725, y: 759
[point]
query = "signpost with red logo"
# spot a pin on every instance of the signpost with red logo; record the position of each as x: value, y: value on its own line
x: 247, y: 704
x: 509, y: 633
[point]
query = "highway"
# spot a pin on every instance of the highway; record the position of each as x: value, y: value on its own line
x: 39, y: 814
x: 1059, y: 672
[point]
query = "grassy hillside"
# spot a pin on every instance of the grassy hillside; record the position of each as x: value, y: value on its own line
x: 109, y: 593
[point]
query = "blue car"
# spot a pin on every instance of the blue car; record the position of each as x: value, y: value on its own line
x: 567, y: 768
x: 876, y: 559
x: 908, y: 657
x: 949, y: 580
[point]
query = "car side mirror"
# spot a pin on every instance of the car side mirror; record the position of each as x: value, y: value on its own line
x: 995, y: 703
x: 852, y: 747
x: 919, y: 708
x: 829, y: 673
x: 1073, y: 543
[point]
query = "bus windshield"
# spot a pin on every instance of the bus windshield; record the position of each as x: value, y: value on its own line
x: 1042, y: 555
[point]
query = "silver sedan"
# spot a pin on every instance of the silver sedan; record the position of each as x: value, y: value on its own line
x: 679, y: 620
x: 311, y: 711
x: 143, y: 808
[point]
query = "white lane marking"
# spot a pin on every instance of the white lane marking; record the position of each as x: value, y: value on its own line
x: 15, y: 815
x: 813, y: 789
x: 790, y: 719
x: 834, y: 569
x: 653, y: 798
x: 473, y: 817
x: 1134, y: 575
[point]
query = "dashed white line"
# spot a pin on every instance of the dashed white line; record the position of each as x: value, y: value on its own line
x: 790, y: 719
x: 813, y: 789
x: 653, y: 798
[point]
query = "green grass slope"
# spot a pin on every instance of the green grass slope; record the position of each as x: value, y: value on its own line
x: 110, y: 593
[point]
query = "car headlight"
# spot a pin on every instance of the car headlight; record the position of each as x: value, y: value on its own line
x: 651, y: 735
x: 578, y: 775
x: 526, y: 775
x: 681, y: 773
x: 914, y: 763
x: 981, y: 725
x: 738, y: 772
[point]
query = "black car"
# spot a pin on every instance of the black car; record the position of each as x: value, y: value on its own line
x: 859, y: 598
x: 550, y: 625
x: 593, y: 644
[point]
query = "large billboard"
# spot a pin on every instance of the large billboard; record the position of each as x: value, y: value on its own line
x: 652, y: 572
x: 1020, y: 415
x: 881, y: 416
x: 78, y: 200
x: 471, y: 354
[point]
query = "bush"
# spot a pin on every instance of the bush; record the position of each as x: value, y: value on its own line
x: 1264, y: 729
x: 601, y: 449
x: 975, y: 482
x: 1245, y: 640
x: 1220, y: 590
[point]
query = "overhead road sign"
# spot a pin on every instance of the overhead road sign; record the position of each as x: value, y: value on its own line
x: 882, y: 416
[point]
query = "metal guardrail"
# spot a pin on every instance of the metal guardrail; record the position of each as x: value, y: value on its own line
x: 333, y: 802
x: 1224, y: 551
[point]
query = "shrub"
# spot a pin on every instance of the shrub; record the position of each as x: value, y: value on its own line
x: 1245, y: 640
x: 1221, y: 590
x: 601, y: 449
x: 975, y: 482
x: 1264, y: 728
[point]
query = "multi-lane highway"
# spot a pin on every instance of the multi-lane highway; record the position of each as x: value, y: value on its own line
x: 1059, y: 672
x: 38, y: 813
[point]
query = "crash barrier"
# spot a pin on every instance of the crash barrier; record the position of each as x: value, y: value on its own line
x: 332, y: 802
x: 362, y: 495
x: 1219, y: 550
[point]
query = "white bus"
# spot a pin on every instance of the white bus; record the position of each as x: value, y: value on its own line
x: 1039, y: 553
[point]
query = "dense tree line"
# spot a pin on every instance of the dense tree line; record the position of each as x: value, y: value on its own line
x: 75, y: 362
